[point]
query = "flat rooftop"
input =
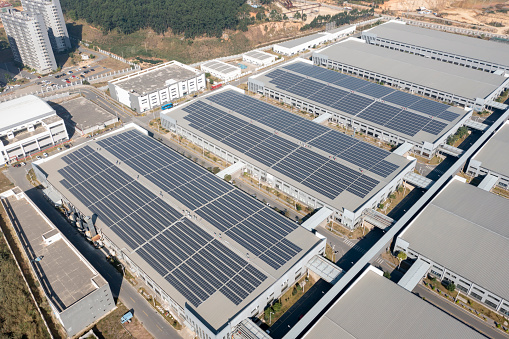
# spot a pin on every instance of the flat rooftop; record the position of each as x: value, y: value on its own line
x: 454, y: 79
x: 84, y: 113
x: 493, y: 154
x: 494, y: 52
x: 221, y: 67
x: 204, y: 242
x: 375, y: 307
x: 155, y: 78
x: 337, y: 169
x: 303, y: 40
x: 260, y: 55
x: 409, y: 116
x: 65, y: 276
x: 477, y: 221
x: 18, y: 112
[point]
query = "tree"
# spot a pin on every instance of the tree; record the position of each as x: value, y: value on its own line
x: 451, y: 287
x: 401, y: 256
x: 304, y: 17
x: 216, y: 170
x: 228, y: 177
x: 298, y: 207
x: 387, y: 275
x: 297, y: 15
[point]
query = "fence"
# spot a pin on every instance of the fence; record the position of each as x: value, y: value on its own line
x: 114, y: 56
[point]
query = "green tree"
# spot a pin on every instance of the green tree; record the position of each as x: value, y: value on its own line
x: 387, y: 274
x: 304, y: 17
x: 401, y: 256
x: 297, y: 15
x: 216, y: 170
x: 228, y: 177
x: 451, y: 287
x: 298, y: 207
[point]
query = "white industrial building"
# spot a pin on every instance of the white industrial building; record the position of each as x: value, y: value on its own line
x: 76, y: 293
x: 29, y: 41
x: 28, y: 125
x: 383, y: 112
x: 457, y: 49
x: 221, y: 70
x: 54, y: 20
x: 299, y: 45
x: 156, y: 86
x: 375, y: 307
x: 440, y: 81
x: 233, y: 120
x: 189, y: 245
x: 452, y: 235
x: 259, y: 58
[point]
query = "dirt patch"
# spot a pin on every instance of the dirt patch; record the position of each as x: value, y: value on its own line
x: 110, y: 326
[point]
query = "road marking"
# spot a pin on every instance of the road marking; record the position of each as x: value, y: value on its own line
x: 159, y: 328
x: 132, y: 299
x: 145, y: 313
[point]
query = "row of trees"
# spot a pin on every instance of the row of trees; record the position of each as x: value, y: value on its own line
x: 342, y: 18
x: 191, y: 17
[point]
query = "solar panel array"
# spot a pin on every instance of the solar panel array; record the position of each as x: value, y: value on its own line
x: 341, y: 92
x: 321, y: 174
x: 190, y: 259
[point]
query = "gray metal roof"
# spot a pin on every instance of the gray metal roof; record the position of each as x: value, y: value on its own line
x: 492, y: 154
x: 20, y: 111
x: 445, y: 77
x: 260, y: 55
x: 459, y: 228
x: 65, y: 276
x: 476, y: 48
x: 414, y: 275
x: 300, y: 41
x: 375, y: 307
x: 221, y: 67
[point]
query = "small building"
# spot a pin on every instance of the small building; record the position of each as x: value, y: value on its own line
x: 221, y: 70
x: 259, y: 58
x: 28, y: 125
x: 76, y: 293
x: 454, y: 233
x: 458, y: 49
x: 491, y: 159
x: 85, y: 116
x: 295, y: 46
x: 375, y: 307
x: 155, y: 86
x: 440, y: 81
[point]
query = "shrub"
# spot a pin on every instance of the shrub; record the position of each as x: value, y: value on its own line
x: 387, y: 275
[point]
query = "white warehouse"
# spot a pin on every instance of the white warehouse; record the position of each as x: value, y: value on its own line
x: 27, y: 125
x: 259, y: 58
x: 156, y: 86
x: 221, y: 70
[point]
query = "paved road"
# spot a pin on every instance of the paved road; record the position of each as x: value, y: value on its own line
x: 460, y: 314
x: 122, y: 289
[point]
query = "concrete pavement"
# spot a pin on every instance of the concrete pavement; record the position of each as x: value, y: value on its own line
x: 150, y: 318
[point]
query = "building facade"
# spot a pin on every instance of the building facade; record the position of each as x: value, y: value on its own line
x: 54, y: 20
x: 28, y: 126
x: 29, y: 41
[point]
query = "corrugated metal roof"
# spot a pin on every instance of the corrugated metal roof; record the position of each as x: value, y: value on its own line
x: 459, y: 229
x: 414, y: 274
x: 375, y: 307
x: 454, y: 79
x: 441, y: 41
x: 490, y: 155
x: 300, y: 41
x: 488, y: 182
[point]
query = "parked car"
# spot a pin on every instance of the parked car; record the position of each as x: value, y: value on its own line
x: 22, y: 164
x: 38, y: 157
x: 68, y: 81
x: 69, y: 72
x: 45, y: 154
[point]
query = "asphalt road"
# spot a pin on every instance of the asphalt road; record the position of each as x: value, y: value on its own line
x: 151, y: 319
x: 460, y: 314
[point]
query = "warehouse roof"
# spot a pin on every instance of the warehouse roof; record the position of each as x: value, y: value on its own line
x: 339, y: 170
x: 407, y: 115
x: 64, y: 273
x: 454, y: 79
x: 155, y: 78
x: 260, y: 55
x: 300, y: 41
x: 475, y: 48
x: 17, y: 112
x: 202, y: 241
x: 491, y: 155
x: 375, y: 307
x: 221, y: 67
x: 84, y: 113
x: 477, y: 220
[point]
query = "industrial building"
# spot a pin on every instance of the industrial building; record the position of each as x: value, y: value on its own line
x: 29, y: 42
x: 85, y: 116
x: 456, y: 49
x: 259, y: 58
x: 310, y: 162
x: 452, y: 236
x: 53, y: 19
x: 156, y: 86
x: 390, y: 115
x: 221, y: 70
x: 490, y: 162
x: 28, y: 125
x: 423, y: 76
x: 375, y: 307
x: 295, y: 46
x: 213, y: 256
x: 76, y: 293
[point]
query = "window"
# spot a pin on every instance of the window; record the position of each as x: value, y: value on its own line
x: 476, y: 296
x: 491, y: 304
